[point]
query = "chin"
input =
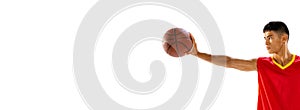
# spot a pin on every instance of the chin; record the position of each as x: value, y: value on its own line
x: 270, y: 52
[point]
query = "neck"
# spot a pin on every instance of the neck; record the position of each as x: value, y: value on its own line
x: 283, y: 57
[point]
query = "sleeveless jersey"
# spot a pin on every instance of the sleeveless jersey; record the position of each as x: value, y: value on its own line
x: 279, y: 86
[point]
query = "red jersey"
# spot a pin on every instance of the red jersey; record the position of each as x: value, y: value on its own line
x: 279, y: 86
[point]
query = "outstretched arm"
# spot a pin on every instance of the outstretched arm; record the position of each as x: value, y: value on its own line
x: 222, y: 60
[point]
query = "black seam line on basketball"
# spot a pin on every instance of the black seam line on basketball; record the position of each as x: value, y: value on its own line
x: 173, y: 34
x: 169, y: 46
x: 178, y: 38
x: 174, y: 31
x: 183, y: 45
x: 170, y: 39
x: 172, y: 43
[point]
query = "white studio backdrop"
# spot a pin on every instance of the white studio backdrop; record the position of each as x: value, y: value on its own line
x: 37, y: 39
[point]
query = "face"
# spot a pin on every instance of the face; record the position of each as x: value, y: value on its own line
x: 274, y: 42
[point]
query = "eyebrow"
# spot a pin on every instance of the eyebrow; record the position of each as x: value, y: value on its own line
x: 269, y: 35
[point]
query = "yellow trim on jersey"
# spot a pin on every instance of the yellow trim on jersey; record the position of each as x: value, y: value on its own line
x: 285, y: 66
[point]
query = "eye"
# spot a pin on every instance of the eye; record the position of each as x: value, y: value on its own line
x: 268, y: 38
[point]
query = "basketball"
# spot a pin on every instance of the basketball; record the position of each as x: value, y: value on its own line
x: 176, y: 42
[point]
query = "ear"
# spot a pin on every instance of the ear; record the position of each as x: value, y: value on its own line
x: 284, y: 37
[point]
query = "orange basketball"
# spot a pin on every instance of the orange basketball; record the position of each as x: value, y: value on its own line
x: 177, y: 42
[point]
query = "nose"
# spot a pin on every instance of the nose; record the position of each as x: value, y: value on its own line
x: 267, y: 42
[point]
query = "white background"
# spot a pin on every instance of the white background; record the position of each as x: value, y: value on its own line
x: 37, y: 38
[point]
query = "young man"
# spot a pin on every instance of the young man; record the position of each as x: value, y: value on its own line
x: 278, y: 75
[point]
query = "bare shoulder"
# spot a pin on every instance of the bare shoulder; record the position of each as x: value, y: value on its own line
x: 254, y: 60
x: 254, y: 64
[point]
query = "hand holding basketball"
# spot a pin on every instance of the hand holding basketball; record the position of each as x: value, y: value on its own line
x: 194, y: 49
x: 177, y: 42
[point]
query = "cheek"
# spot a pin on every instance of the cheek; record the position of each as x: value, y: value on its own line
x: 272, y: 41
x: 276, y: 45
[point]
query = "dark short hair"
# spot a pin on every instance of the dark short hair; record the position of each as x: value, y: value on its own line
x: 276, y: 26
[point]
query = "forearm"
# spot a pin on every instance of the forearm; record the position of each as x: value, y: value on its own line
x: 225, y: 61
x: 220, y: 60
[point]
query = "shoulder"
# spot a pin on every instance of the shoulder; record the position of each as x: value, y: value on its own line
x: 297, y: 58
x: 264, y: 60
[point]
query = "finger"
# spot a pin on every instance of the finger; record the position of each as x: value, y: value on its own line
x: 192, y: 37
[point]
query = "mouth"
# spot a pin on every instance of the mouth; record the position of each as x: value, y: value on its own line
x: 268, y: 48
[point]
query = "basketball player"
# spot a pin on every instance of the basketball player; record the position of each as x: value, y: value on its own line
x: 278, y: 75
